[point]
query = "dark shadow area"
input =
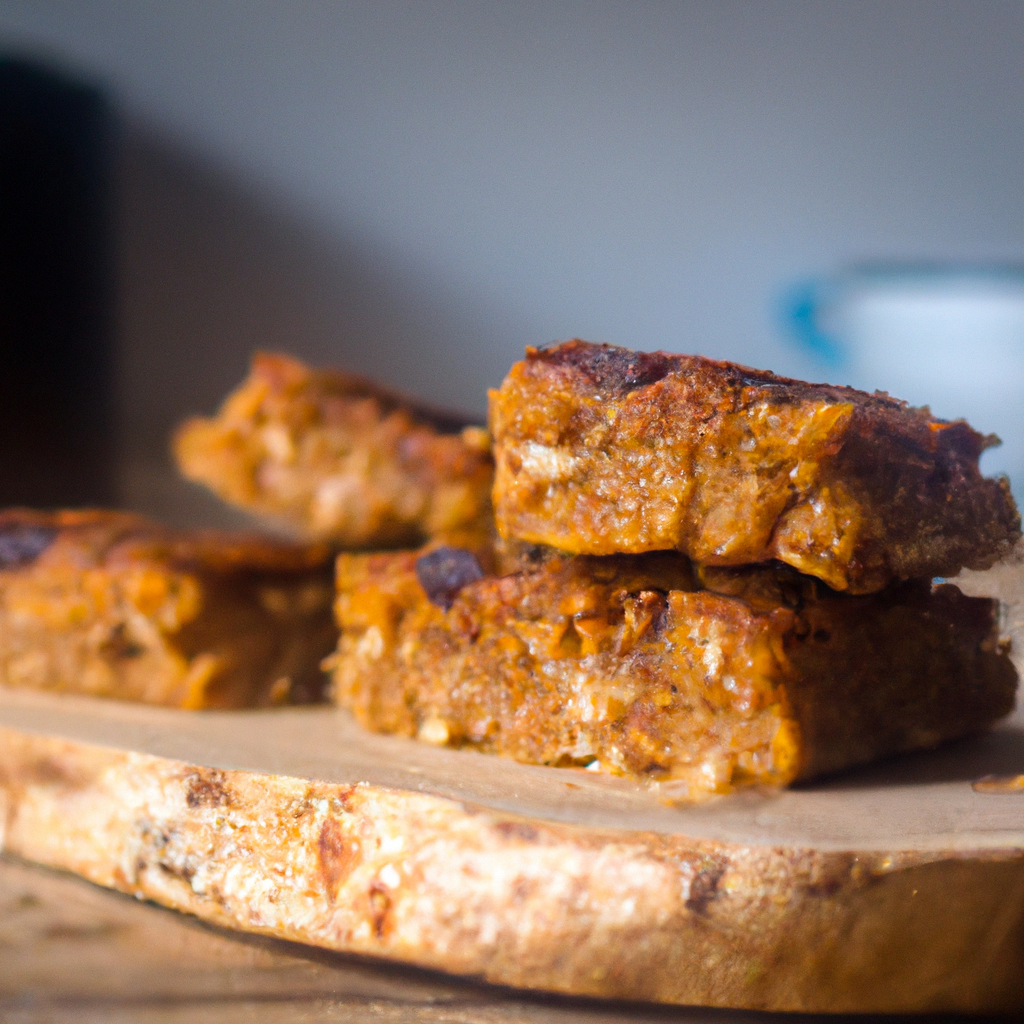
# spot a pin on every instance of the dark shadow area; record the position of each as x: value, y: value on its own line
x: 56, y: 288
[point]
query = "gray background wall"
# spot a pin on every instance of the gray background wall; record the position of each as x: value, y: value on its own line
x: 417, y: 190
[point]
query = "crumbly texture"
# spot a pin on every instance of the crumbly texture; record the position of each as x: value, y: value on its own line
x: 113, y: 605
x: 647, y: 667
x: 600, y: 450
x: 331, y: 456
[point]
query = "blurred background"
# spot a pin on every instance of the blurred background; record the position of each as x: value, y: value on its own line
x: 419, y: 190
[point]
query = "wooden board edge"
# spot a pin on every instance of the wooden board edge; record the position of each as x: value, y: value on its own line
x: 530, y: 904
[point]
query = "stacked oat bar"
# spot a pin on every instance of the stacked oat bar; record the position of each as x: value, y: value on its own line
x: 707, y: 576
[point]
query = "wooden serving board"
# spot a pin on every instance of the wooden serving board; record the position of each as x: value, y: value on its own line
x: 898, y: 888
x: 895, y: 888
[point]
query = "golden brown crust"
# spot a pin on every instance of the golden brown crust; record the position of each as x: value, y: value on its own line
x: 111, y: 604
x: 335, y: 457
x: 635, y: 665
x: 601, y: 450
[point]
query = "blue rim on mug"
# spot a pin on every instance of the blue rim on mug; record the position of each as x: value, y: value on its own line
x: 803, y: 311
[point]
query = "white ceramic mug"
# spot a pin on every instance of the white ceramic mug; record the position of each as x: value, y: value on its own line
x: 951, y: 338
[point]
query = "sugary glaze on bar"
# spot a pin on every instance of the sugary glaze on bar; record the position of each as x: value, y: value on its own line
x: 333, y: 456
x: 113, y: 605
x: 600, y: 450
